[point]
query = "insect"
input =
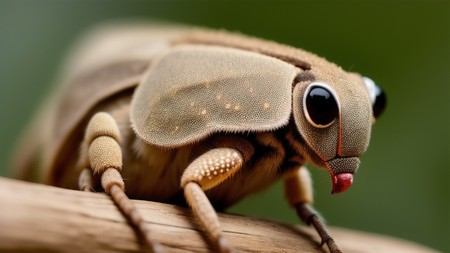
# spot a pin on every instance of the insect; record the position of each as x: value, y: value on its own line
x: 200, y: 117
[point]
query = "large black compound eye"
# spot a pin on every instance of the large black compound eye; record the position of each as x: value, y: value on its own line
x: 321, y: 106
x: 377, y: 97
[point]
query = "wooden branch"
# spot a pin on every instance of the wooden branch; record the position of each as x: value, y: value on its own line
x: 40, y: 218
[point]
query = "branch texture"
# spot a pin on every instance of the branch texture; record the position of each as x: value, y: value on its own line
x: 40, y: 218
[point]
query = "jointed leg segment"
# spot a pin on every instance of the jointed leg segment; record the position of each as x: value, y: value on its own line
x: 102, y: 154
x: 311, y: 216
x: 85, y: 180
x: 205, y: 213
x: 298, y: 187
x: 206, y: 172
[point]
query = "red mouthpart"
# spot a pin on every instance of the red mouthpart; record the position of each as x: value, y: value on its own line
x: 342, y: 182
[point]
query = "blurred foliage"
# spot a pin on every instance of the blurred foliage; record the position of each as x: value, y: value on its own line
x: 401, y: 188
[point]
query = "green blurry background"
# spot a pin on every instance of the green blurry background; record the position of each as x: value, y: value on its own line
x: 402, y: 186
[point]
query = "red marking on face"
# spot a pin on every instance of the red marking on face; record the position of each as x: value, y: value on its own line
x: 341, y: 182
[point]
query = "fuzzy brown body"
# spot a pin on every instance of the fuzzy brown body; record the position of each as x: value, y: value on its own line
x: 171, y: 106
x: 154, y: 173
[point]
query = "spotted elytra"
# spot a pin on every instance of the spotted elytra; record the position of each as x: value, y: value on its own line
x: 201, y: 117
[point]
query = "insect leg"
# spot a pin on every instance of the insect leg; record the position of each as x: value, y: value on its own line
x: 298, y: 188
x: 86, y: 181
x: 104, y: 157
x: 206, y: 172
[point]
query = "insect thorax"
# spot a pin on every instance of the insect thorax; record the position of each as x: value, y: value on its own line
x: 155, y: 172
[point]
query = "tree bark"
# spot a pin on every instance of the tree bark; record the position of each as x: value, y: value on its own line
x: 41, y: 218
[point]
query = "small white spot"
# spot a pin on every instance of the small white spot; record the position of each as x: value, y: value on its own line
x: 221, y: 171
x: 192, y: 103
x: 251, y: 89
x: 219, y: 96
x: 227, y: 106
x: 237, y: 107
x: 204, y: 112
x: 173, y: 91
x: 211, y: 168
x: 215, y: 172
x: 176, y: 129
x: 266, y: 105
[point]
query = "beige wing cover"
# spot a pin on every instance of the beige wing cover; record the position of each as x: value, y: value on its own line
x: 192, y: 91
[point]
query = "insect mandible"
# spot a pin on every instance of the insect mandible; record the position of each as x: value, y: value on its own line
x: 199, y: 117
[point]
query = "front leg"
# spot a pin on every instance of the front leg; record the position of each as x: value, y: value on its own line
x: 101, y: 154
x: 206, y: 172
x: 299, y: 191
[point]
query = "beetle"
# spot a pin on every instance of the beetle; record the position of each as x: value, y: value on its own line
x: 199, y: 117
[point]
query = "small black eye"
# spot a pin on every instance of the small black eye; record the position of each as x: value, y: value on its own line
x: 380, y: 102
x: 377, y: 97
x: 321, y: 106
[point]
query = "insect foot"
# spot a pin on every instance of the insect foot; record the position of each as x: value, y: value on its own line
x: 310, y: 216
x: 206, y: 172
x: 104, y: 157
x: 298, y: 188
